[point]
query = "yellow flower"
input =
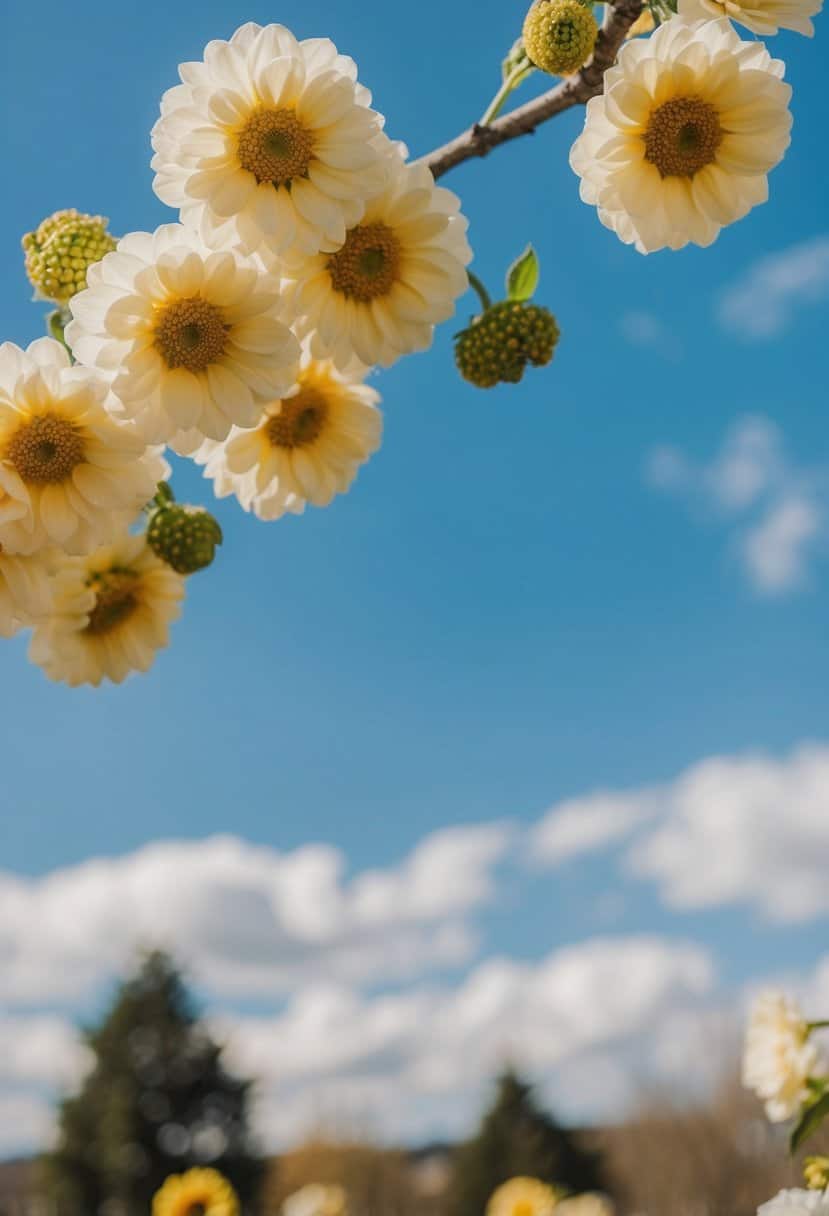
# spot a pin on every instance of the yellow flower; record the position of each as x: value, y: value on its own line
x: 762, y: 17
x: 644, y: 24
x: 523, y: 1197
x: 270, y: 142
x: 60, y: 251
x: 70, y: 474
x: 691, y: 121
x: 316, y: 1199
x: 24, y: 591
x: 110, y: 613
x: 190, y: 338
x: 198, y: 1192
x: 307, y: 447
x: 559, y: 35
x: 396, y: 275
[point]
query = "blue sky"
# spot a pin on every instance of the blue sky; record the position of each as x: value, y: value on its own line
x: 516, y: 605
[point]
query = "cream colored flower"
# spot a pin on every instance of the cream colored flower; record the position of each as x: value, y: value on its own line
x: 779, y: 1056
x: 110, y: 613
x: 307, y: 447
x: 591, y: 1203
x: 270, y: 142
x: 191, y: 338
x: 316, y: 1199
x: 761, y: 17
x: 523, y: 1197
x: 24, y: 591
x: 70, y: 475
x: 398, y: 273
x: 796, y: 1203
x: 691, y: 121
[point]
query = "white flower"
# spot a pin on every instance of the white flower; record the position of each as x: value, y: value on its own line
x: 110, y: 613
x: 269, y: 142
x: 797, y: 1203
x: 316, y: 1199
x: 779, y: 1056
x: 691, y: 122
x: 191, y: 338
x: 760, y: 16
x: 70, y: 475
x: 396, y: 275
x: 24, y: 591
x: 307, y: 447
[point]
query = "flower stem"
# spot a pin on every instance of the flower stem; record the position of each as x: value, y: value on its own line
x: 511, y: 83
x: 478, y: 287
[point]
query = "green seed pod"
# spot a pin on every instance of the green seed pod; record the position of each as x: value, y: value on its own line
x: 184, y: 537
x: 559, y: 35
x: 499, y: 344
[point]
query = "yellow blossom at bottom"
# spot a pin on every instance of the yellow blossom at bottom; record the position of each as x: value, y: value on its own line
x: 523, y: 1197
x: 110, y: 612
x: 198, y: 1192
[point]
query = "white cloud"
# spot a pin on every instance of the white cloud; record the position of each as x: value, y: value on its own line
x: 248, y: 920
x: 729, y: 830
x: 40, y: 1049
x: 776, y: 511
x: 415, y: 1063
x: 27, y: 1121
x: 763, y: 303
x: 646, y: 330
x: 583, y: 825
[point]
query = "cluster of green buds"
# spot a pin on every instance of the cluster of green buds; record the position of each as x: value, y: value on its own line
x: 560, y: 35
x: 507, y: 336
x: 183, y: 536
x: 60, y: 251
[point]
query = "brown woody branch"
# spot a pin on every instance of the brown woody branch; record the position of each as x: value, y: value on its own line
x: 575, y: 90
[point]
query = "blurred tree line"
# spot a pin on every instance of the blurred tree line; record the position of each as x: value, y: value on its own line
x: 158, y: 1099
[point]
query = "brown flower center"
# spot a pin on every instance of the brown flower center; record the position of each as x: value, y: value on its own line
x: 300, y: 420
x: 190, y: 333
x: 45, y: 450
x: 368, y: 265
x: 682, y: 136
x: 274, y: 146
x: 197, y: 1209
x: 116, y: 599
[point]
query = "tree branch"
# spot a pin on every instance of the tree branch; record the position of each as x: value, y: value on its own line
x: 575, y: 90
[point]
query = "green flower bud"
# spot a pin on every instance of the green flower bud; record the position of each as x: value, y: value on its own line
x: 559, y: 35
x: 184, y: 537
x: 60, y: 251
x: 501, y: 342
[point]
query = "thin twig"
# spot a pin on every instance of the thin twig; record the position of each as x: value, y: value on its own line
x: 575, y: 90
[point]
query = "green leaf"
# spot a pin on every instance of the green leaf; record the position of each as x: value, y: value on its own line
x: 810, y: 1121
x: 523, y: 276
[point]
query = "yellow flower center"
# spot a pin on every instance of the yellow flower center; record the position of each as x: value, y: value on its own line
x: 300, y: 420
x: 115, y: 600
x: 46, y: 449
x: 682, y: 136
x: 190, y: 333
x: 274, y: 146
x: 368, y: 265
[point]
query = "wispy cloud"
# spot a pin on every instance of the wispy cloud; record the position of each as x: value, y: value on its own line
x: 763, y: 303
x: 776, y: 510
x: 645, y: 329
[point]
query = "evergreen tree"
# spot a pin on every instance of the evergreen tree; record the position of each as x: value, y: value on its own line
x: 157, y: 1101
x: 516, y: 1137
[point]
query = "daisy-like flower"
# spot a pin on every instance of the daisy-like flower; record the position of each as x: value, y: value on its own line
x: 760, y: 16
x: 523, y: 1197
x: 70, y: 474
x: 779, y: 1056
x: 191, y: 338
x: 796, y: 1203
x: 316, y: 1199
x: 110, y: 613
x: 396, y: 275
x: 691, y: 122
x: 202, y: 1191
x: 270, y: 141
x: 307, y: 447
x: 24, y: 591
